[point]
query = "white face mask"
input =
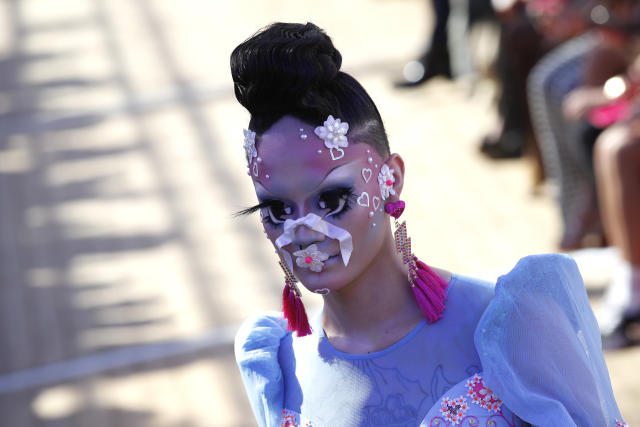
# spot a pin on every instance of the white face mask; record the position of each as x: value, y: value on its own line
x: 315, y: 223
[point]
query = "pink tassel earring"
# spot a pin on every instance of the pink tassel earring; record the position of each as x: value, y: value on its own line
x: 292, y: 306
x: 428, y: 288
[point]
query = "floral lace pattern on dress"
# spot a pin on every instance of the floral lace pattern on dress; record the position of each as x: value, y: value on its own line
x: 454, y: 409
x: 482, y: 395
x: 294, y: 419
x: 485, y: 408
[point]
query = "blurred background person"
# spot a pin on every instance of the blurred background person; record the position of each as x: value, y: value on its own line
x: 529, y: 29
x: 593, y: 80
x: 448, y: 41
x: 617, y: 171
x: 617, y: 161
x: 587, y: 59
x: 603, y: 98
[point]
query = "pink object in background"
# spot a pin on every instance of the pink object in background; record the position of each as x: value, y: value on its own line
x: 609, y: 114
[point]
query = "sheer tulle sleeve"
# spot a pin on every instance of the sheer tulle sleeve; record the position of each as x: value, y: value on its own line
x: 540, y: 347
x: 256, y: 348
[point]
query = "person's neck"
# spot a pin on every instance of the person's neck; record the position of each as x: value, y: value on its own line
x: 375, y: 310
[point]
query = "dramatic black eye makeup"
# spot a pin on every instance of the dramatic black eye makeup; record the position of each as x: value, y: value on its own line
x: 336, y: 201
x: 275, y: 211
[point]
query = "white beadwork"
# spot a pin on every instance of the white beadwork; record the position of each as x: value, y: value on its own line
x: 366, y: 174
x: 250, y: 144
x: 363, y: 200
x: 335, y: 156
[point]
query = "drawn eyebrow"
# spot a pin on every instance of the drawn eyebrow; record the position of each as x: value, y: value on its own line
x: 334, y: 168
x: 326, y: 174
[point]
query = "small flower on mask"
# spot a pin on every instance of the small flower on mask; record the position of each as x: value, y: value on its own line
x: 250, y: 144
x: 386, y: 180
x: 333, y: 133
x: 311, y: 258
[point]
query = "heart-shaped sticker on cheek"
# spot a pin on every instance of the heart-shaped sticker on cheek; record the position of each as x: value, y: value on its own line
x: 366, y: 174
x: 335, y: 156
x: 363, y: 200
x: 376, y: 203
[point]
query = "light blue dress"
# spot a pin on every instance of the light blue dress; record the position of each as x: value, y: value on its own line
x: 527, y: 350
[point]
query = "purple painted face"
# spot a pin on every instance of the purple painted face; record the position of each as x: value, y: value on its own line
x: 296, y: 175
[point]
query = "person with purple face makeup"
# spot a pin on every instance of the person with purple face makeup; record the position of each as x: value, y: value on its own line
x: 397, y: 343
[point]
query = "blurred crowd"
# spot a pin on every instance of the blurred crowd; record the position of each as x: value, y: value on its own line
x: 569, y: 78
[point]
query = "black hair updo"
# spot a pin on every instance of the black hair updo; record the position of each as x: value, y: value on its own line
x: 294, y: 69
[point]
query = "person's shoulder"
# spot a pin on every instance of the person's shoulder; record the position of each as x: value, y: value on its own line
x: 467, y: 299
x: 544, y: 267
x: 259, y: 336
x: 541, y: 273
x: 544, y: 263
x: 541, y: 307
x: 471, y: 291
x: 257, y: 345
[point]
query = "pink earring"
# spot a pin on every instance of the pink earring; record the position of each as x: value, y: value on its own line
x: 292, y: 306
x: 428, y: 288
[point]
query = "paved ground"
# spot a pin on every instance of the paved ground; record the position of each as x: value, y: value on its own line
x: 122, y: 272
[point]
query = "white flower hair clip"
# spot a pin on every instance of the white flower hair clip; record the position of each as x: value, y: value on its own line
x: 311, y: 258
x: 250, y: 144
x: 386, y: 180
x: 334, y: 135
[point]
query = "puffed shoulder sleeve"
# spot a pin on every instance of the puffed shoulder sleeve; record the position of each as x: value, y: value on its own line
x: 540, y: 347
x: 256, y: 348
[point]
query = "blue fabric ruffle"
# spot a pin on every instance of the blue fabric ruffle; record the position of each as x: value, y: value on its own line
x: 256, y: 348
x: 540, y: 347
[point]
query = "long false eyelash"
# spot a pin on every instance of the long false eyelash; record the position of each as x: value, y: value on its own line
x: 340, y: 192
x: 256, y: 208
x: 268, y: 205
